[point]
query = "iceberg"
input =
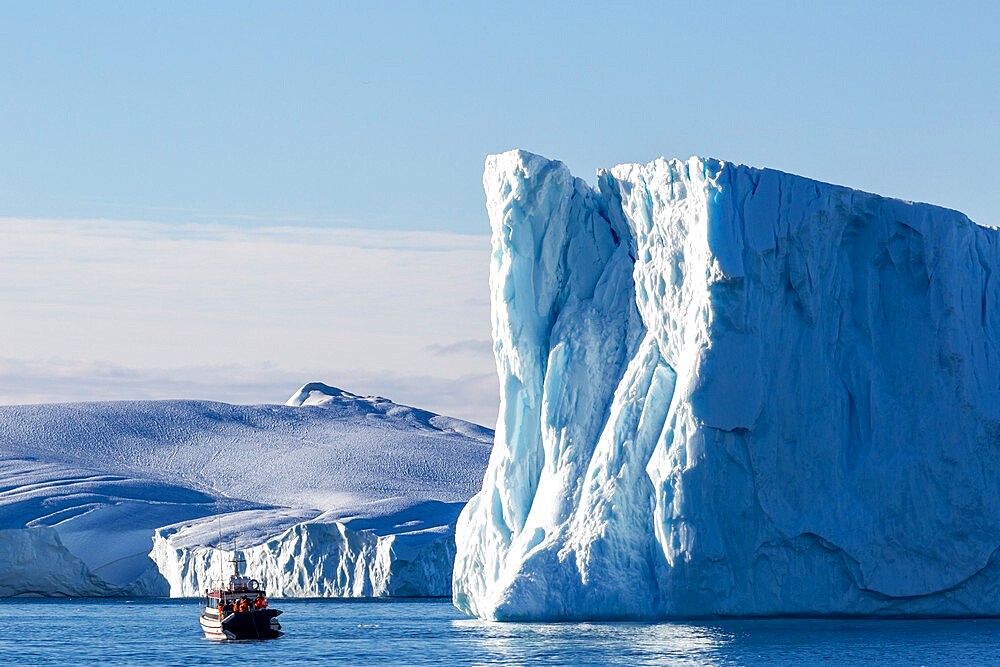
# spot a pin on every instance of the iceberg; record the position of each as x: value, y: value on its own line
x: 730, y: 391
x: 332, y: 494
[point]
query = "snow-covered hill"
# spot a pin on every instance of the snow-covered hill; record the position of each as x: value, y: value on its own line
x: 731, y: 391
x: 357, y: 496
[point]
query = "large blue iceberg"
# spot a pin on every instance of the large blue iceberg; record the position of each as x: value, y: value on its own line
x: 734, y: 391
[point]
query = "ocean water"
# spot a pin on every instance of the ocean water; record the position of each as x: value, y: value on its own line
x: 432, y: 632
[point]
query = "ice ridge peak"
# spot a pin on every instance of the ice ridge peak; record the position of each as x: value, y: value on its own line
x: 318, y: 393
x: 734, y: 391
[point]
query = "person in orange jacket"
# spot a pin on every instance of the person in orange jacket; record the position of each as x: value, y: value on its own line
x: 260, y: 602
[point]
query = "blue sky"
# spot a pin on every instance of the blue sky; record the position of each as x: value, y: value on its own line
x: 380, y: 114
x: 377, y: 116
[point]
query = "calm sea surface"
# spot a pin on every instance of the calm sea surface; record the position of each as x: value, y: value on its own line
x: 166, y: 632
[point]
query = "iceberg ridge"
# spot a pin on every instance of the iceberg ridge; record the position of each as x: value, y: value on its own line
x: 347, y: 497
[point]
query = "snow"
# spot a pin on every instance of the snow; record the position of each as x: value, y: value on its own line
x: 734, y: 391
x: 133, y: 497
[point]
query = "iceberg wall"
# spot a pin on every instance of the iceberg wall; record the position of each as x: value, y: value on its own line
x: 734, y: 391
x: 318, y: 557
x: 36, y: 563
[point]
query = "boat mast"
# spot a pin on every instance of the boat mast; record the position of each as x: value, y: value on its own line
x: 218, y: 548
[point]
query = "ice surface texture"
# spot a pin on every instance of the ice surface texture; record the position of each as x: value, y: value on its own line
x: 352, y: 496
x: 734, y: 391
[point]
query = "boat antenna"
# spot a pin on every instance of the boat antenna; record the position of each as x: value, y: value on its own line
x: 218, y: 548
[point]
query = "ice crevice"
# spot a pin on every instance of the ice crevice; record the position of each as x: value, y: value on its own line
x: 734, y: 391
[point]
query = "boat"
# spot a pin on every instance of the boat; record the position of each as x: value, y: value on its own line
x: 239, y: 610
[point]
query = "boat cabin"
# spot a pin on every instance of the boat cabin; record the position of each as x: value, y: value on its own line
x: 237, y: 588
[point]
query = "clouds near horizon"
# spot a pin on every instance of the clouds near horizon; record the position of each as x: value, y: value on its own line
x: 156, y: 310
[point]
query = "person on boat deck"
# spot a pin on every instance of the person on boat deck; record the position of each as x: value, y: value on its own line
x: 244, y: 604
x: 260, y: 602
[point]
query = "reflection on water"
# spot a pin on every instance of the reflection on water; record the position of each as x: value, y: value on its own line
x: 738, y: 642
x: 607, y: 643
x: 320, y: 632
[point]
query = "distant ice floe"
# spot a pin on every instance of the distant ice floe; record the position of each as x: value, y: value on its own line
x: 355, y: 497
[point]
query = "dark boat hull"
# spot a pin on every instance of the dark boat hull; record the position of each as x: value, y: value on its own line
x: 256, y: 624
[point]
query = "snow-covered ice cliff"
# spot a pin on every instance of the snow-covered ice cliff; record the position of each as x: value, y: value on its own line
x: 341, y: 496
x: 734, y: 391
